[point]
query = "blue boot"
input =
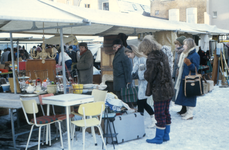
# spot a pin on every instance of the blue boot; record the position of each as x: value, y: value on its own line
x: 159, y: 136
x: 167, y: 131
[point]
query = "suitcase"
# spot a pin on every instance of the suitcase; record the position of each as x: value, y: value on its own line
x: 128, y: 127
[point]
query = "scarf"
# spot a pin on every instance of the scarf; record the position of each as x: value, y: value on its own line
x: 81, y: 53
x: 183, y: 55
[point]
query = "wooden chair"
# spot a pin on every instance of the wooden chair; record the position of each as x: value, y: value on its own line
x: 89, y: 110
x: 30, y: 107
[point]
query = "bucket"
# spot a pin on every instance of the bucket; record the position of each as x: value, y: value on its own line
x: 6, y: 87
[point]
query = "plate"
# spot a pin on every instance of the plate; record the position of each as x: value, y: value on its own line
x: 28, y: 95
x: 89, y: 86
x: 25, y: 77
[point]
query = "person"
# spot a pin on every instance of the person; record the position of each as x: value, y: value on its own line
x: 189, y: 61
x: 85, y: 65
x: 139, y: 68
x: 23, y: 53
x: 0, y: 54
x: 121, y: 68
x: 67, y: 59
x: 73, y: 56
x: 5, y: 55
x: 159, y: 85
x: 15, y: 55
x: 179, y: 49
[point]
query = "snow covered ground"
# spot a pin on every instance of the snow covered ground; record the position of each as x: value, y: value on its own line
x: 209, y: 130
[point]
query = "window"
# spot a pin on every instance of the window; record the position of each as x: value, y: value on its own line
x: 106, y: 6
x: 214, y: 14
x: 87, y: 5
x: 156, y: 12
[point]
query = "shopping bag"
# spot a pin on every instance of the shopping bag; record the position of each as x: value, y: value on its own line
x: 129, y: 94
x: 193, y: 85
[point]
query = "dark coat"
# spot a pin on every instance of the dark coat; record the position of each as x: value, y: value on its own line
x: 73, y: 56
x: 158, y: 76
x: 181, y: 99
x: 121, y: 70
x: 85, y: 68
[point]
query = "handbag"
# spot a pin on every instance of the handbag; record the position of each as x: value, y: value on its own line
x: 135, y: 75
x: 129, y: 94
x: 193, y: 85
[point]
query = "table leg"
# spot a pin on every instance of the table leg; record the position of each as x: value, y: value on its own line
x: 12, y: 127
x: 68, y: 126
x: 47, y: 127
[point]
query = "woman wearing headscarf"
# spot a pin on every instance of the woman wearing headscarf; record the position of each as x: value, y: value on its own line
x: 159, y: 85
x: 189, y: 61
x: 139, y: 67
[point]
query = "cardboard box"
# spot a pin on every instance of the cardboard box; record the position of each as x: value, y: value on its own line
x: 4, y: 111
x: 2, y: 66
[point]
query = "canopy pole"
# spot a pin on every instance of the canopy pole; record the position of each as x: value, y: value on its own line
x: 12, y: 59
x: 17, y: 56
x: 63, y: 61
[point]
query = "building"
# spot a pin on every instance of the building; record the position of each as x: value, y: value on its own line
x: 210, y: 12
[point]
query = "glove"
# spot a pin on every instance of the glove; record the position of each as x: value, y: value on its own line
x: 187, y: 62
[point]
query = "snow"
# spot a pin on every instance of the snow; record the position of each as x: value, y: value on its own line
x: 207, y: 131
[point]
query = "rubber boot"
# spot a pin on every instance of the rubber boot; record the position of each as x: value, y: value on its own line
x: 153, y: 122
x: 159, y: 136
x: 167, y: 131
x: 189, y: 114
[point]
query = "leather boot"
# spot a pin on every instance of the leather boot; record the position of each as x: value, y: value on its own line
x: 159, y: 136
x: 183, y: 110
x: 167, y: 131
x: 189, y: 114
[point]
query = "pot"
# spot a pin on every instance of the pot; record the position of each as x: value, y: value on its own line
x: 30, y: 89
x: 51, y: 88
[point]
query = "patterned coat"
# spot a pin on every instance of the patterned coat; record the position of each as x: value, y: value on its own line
x: 142, y: 83
x: 168, y: 52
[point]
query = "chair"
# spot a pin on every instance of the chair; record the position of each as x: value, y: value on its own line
x: 30, y: 107
x: 59, y: 117
x: 90, y: 109
x: 99, y: 95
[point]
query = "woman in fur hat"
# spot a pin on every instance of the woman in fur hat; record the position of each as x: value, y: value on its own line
x: 139, y: 61
x: 159, y: 85
x: 189, y: 61
x: 179, y: 49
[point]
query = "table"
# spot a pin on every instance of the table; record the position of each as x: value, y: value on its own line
x: 12, y: 101
x: 67, y: 100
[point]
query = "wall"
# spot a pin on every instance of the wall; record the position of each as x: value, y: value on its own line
x: 164, y: 7
x: 222, y: 19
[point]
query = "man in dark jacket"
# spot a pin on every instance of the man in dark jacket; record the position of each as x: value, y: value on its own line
x: 121, y: 68
x: 85, y: 65
x: 73, y: 55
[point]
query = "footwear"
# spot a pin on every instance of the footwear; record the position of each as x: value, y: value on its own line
x: 183, y: 110
x: 166, y: 134
x: 189, y: 114
x: 153, y: 122
x: 159, y: 136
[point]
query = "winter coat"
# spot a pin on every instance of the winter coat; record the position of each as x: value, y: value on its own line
x: 121, y: 70
x: 85, y: 68
x: 158, y: 76
x: 168, y: 52
x: 181, y: 99
x: 66, y: 58
x: 142, y: 83
x: 178, y: 51
x: 73, y: 56
x: 4, y: 57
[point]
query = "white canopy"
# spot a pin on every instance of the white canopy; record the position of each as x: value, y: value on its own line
x: 84, y: 21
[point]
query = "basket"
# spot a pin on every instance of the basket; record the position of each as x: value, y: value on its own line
x: 77, y: 88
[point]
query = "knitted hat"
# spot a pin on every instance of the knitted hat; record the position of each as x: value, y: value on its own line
x: 83, y: 44
x: 117, y: 41
x: 180, y: 40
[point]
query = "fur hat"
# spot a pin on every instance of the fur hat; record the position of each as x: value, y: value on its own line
x: 83, y: 44
x: 117, y: 41
x: 180, y: 40
x: 148, y: 44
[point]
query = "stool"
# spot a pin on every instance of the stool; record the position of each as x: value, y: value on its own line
x: 108, y: 120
